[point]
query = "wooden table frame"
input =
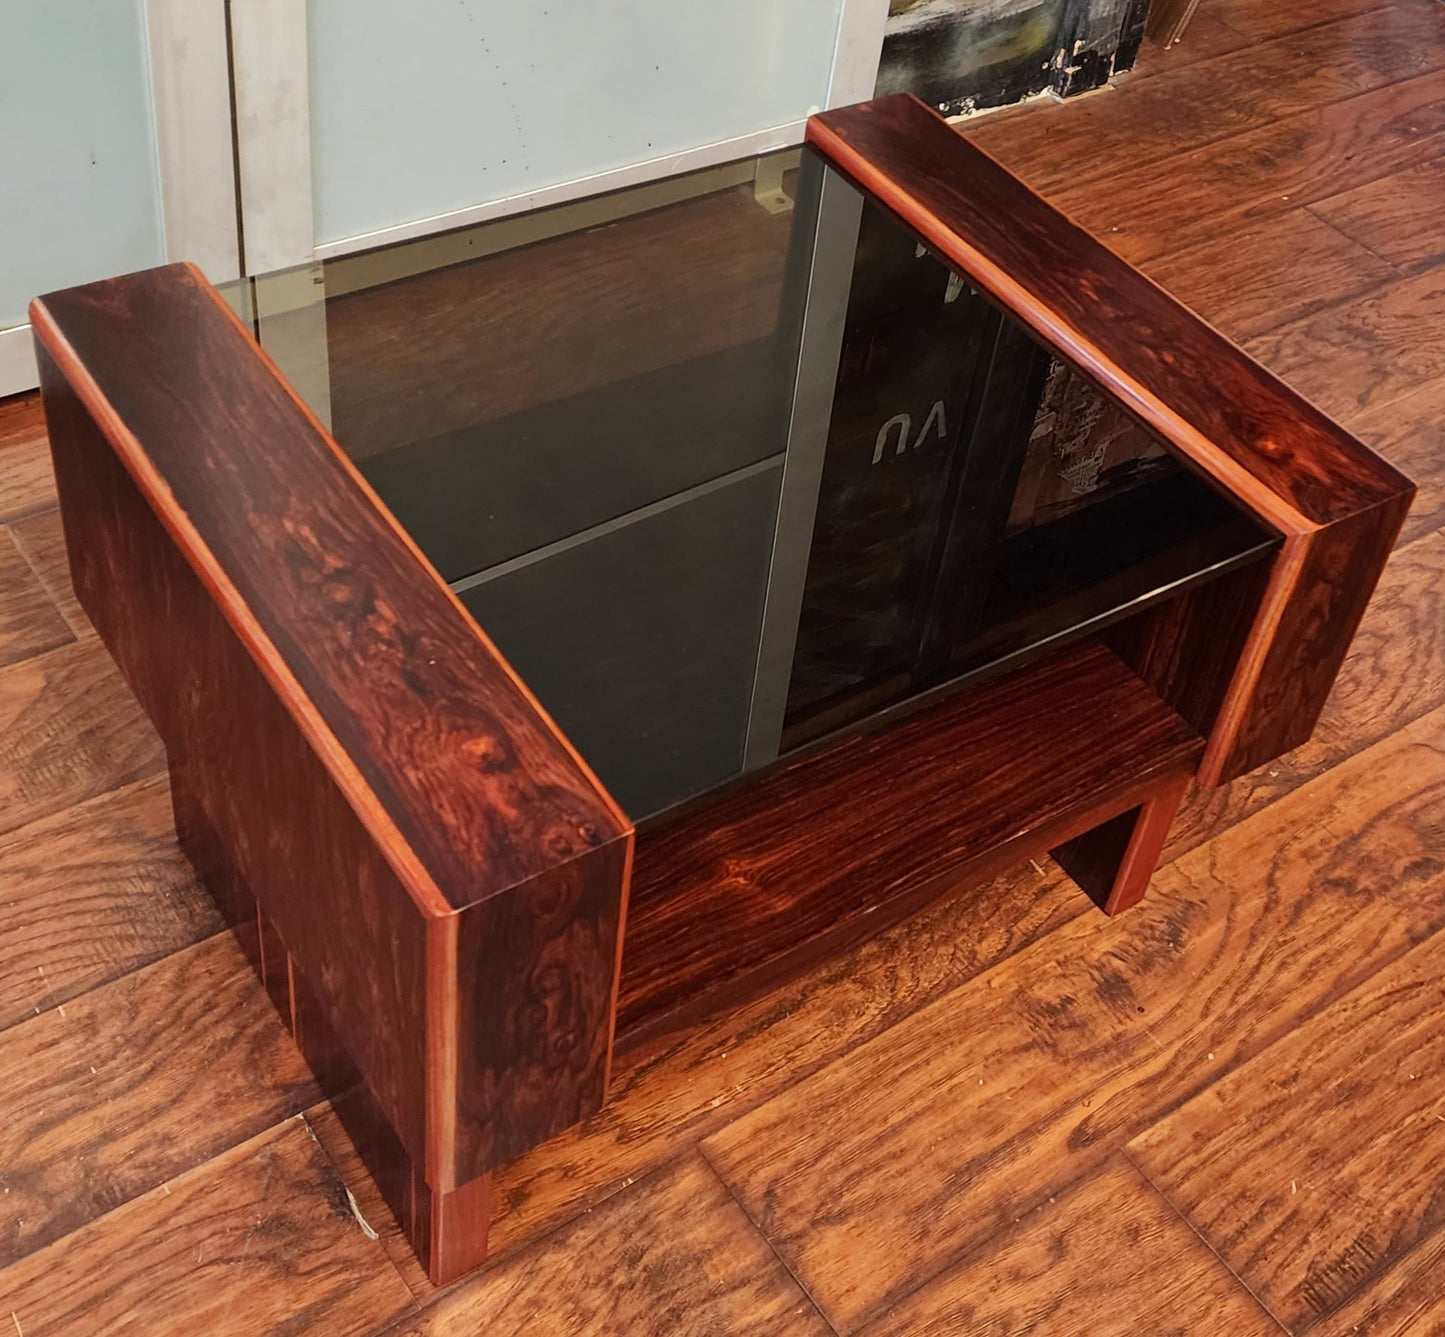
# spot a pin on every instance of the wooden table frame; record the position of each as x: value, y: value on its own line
x: 436, y: 890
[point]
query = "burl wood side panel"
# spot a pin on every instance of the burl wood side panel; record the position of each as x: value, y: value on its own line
x: 539, y: 976
x: 1232, y: 419
x: 1338, y: 569
x: 265, y: 808
x: 444, y: 737
x: 825, y: 852
x: 372, y: 769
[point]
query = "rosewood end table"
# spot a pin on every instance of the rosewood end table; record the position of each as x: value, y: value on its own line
x: 615, y: 611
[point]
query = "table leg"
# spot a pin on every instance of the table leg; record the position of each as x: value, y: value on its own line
x: 1114, y: 861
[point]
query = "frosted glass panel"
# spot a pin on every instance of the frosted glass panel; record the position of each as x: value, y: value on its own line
x: 81, y: 196
x: 424, y: 108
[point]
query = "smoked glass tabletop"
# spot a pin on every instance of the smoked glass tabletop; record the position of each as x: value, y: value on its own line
x: 729, y: 463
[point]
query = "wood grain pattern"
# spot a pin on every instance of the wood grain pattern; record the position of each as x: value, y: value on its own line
x: 826, y: 851
x: 1245, y: 282
x: 345, y: 744
x: 1113, y: 862
x: 1205, y: 37
x: 254, y: 804
x: 69, y: 730
x: 1407, y: 433
x: 22, y: 419
x: 1339, y: 1111
x: 1366, y: 354
x: 370, y: 1202
x: 1178, y: 375
x: 128, y: 1085
x: 661, y: 1102
x: 1186, y: 648
x: 1063, y: 1064
x: 1258, y: 21
x: 1327, y: 598
x: 539, y: 980
x: 30, y: 623
x: 733, y: 1064
x: 1363, y: 49
x: 469, y: 343
x: 372, y: 1059
x: 1338, y: 506
x: 1408, y: 1300
x: 1395, y: 217
x: 1111, y: 1258
x: 1252, y: 178
x: 1394, y: 674
x: 259, y: 1240
x: 692, y: 1263
x: 41, y: 540
x: 436, y: 727
x: 92, y: 893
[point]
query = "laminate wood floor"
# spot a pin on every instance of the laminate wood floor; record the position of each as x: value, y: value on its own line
x: 1223, y: 1113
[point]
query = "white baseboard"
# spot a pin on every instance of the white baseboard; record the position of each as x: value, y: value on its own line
x: 17, y: 361
x: 710, y: 155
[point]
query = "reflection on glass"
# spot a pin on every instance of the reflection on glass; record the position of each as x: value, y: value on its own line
x: 979, y: 498
x: 721, y: 474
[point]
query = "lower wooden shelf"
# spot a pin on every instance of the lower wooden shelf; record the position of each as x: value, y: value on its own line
x: 736, y: 895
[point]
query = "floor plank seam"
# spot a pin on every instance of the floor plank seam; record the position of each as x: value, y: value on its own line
x: 762, y: 1234
x: 1213, y: 1252
x: 1311, y: 208
x: 364, y: 1225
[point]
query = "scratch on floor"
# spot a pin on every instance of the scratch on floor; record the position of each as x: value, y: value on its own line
x: 360, y: 1220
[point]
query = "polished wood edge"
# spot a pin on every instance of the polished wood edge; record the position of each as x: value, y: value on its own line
x: 1375, y: 484
x: 629, y: 864
x: 1145, y: 846
x: 1222, y: 761
x: 445, y: 1092
x: 442, y: 1002
x: 1283, y: 581
x: 397, y: 851
x: 829, y: 134
x: 348, y: 466
x: 410, y: 868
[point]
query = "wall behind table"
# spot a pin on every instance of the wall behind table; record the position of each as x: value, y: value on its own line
x: 80, y: 197
x: 962, y: 55
x: 424, y: 109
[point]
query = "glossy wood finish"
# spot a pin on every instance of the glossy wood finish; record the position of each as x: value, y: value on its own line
x: 1338, y: 506
x: 259, y: 1240
x: 1114, y: 861
x: 125, y: 1046
x: 1026, y: 1080
x: 1386, y: 1143
x: 340, y: 735
x: 367, y: 753
x: 702, y: 1269
x: 1307, y: 879
x: 821, y: 854
x: 1064, y: 1268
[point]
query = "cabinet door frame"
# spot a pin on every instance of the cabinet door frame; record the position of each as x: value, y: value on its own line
x: 273, y: 138
x: 189, y: 62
